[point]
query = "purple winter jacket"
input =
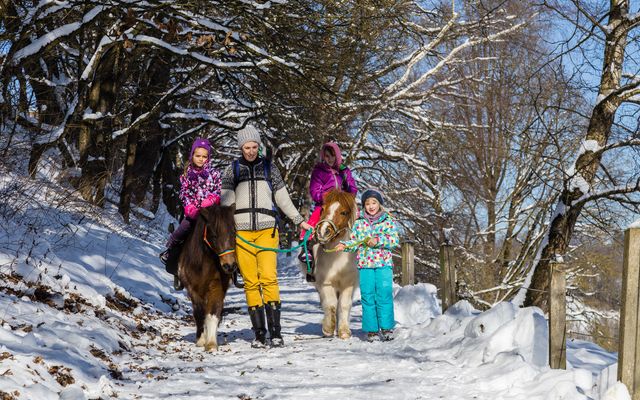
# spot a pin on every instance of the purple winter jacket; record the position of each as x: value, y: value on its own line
x: 324, y: 177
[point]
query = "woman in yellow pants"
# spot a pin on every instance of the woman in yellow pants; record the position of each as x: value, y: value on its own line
x: 256, y: 188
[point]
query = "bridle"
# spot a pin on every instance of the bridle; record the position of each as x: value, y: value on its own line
x: 223, y: 252
x: 336, y: 231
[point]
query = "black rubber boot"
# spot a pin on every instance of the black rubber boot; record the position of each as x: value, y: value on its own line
x: 170, y: 258
x: 273, y: 320
x: 258, y: 326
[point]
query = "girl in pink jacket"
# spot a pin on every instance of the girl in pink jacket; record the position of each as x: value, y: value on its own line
x: 327, y: 175
x: 200, y: 188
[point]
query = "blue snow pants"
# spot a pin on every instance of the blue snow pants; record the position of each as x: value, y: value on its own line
x: 376, y: 291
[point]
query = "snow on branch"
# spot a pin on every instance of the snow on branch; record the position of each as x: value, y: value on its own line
x: 55, y: 35
x: 102, y: 47
x: 448, y: 58
x: 591, y: 196
x: 196, y: 55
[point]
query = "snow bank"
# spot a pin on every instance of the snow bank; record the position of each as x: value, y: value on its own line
x: 416, y: 304
x: 617, y: 392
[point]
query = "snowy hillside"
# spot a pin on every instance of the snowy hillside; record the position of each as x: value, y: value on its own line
x: 87, y: 312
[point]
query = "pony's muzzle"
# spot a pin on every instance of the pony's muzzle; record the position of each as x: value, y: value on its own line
x: 229, y: 268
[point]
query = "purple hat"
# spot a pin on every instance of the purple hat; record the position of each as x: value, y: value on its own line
x: 200, y: 143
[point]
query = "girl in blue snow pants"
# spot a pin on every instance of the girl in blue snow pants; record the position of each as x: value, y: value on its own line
x: 373, y: 236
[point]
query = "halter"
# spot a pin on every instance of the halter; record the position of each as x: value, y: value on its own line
x: 223, y: 252
x: 336, y: 231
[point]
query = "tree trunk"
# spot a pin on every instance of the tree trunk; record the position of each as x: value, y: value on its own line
x: 566, y: 214
x: 95, y: 154
x: 144, y: 149
x: 128, y: 178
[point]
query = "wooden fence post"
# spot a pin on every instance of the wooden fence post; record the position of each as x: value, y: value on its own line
x: 557, y: 316
x: 407, y: 277
x: 629, y: 344
x: 447, y: 276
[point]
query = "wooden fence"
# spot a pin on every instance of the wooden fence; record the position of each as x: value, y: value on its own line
x: 557, y: 316
x: 629, y: 344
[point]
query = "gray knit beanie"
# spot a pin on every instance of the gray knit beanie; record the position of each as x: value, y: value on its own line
x: 248, y: 134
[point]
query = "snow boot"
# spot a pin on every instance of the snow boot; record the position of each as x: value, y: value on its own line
x: 273, y: 320
x: 170, y: 257
x: 373, y: 337
x: 387, y: 335
x: 256, y: 314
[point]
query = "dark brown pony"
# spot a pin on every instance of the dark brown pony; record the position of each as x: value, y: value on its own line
x: 207, y: 260
x: 336, y: 273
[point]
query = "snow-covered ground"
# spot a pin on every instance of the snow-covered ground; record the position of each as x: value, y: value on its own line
x: 87, y: 312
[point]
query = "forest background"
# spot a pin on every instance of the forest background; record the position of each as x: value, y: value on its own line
x: 507, y: 128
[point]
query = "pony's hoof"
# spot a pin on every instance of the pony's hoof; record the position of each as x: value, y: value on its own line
x: 344, y: 334
x: 326, y: 334
x: 211, y: 347
x: 200, y: 342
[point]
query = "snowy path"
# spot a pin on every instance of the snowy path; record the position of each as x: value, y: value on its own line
x: 308, y: 367
x: 311, y: 366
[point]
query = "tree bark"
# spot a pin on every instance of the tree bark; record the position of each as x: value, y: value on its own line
x: 566, y: 214
x: 95, y: 136
x: 128, y: 178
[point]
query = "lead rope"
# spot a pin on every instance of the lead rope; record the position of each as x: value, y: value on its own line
x: 305, y: 240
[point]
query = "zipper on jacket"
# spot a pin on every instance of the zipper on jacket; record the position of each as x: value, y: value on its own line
x: 252, y: 196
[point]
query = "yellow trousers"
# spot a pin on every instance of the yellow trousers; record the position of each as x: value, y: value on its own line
x: 258, y: 267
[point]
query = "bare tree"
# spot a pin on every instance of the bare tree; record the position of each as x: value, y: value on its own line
x: 587, y: 179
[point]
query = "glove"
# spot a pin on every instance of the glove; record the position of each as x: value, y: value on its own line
x: 191, y: 211
x: 210, y: 200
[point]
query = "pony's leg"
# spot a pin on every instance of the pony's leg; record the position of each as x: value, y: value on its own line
x: 211, y: 332
x: 344, y: 314
x: 329, y: 303
x: 198, y: 315
x: 215, y: 301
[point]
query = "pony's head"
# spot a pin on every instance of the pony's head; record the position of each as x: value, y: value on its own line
x: 339, y: 212
x: 219, y: 234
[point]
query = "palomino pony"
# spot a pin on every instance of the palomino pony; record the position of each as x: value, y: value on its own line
x: 205, y: 266
x: 336, y: 273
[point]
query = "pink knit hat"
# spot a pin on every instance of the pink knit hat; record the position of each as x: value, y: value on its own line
x: 333, y: 146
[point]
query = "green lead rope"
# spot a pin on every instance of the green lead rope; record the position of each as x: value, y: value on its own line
x: 305, y: 240
x: 351, y: 246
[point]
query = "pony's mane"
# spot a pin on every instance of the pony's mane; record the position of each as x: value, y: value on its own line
x: 219, y: 219
x: 346, y: 200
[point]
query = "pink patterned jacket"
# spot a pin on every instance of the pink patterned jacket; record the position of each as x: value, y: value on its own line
x: 198, y: 185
